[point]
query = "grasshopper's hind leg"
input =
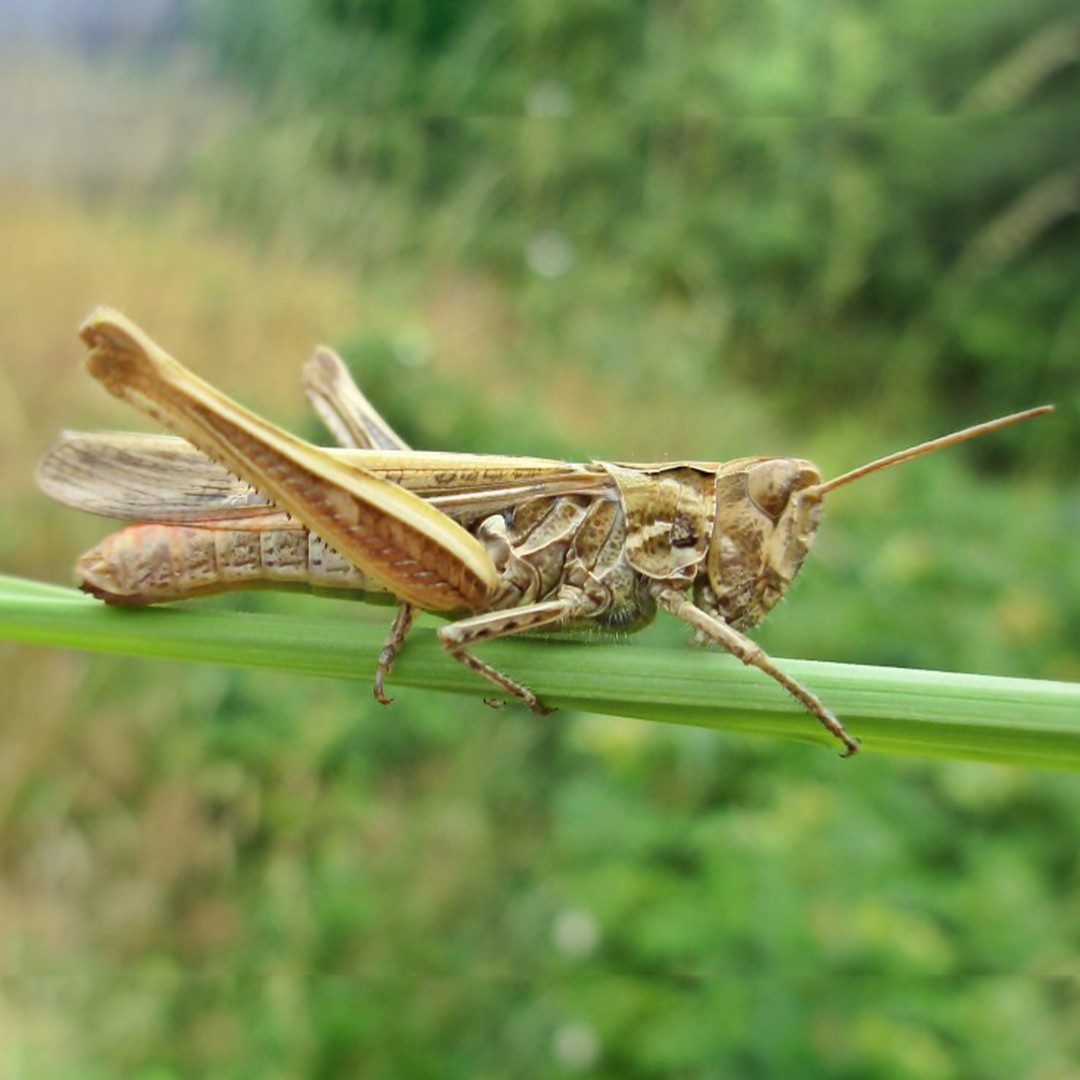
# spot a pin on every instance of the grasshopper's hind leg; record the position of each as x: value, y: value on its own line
x: 343, y: 408
x: 457, y: 637
x: 394, y: 640
x: 355, y: 422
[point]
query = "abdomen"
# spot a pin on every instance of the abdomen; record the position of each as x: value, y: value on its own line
x: 151, y: 564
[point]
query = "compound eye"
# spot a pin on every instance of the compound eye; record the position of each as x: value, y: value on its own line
x: 770, y: 483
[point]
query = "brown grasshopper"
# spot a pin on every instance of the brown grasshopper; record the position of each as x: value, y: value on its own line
x: 500, y: 545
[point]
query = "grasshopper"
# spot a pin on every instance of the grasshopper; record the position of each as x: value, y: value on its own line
x: 499, y: 545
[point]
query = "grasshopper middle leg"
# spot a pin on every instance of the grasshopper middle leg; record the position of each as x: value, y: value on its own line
x: 457, y: 637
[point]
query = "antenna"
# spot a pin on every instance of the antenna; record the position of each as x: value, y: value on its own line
x: 819, y: 490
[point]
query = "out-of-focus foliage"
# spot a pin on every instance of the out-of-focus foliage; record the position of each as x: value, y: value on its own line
x: 691, y: 229
x: 861, y: 206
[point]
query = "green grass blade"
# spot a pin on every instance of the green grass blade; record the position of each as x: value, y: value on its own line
x: 1018, y: 721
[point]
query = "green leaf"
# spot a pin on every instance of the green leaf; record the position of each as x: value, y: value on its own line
x: 1016, y: 721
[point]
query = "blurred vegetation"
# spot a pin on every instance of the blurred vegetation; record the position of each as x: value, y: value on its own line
x: 866, y: 208
x: 598, y: 229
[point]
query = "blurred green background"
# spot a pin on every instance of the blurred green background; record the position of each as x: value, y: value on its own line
x: 693, y: 229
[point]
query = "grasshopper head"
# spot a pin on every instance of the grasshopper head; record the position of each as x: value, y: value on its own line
x: 761, y: 534
x: 767, y: 511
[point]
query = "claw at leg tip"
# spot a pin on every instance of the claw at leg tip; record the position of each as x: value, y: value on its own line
x: 852, y: 746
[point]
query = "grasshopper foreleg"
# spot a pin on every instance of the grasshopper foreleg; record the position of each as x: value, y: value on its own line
x: 749, y: 652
